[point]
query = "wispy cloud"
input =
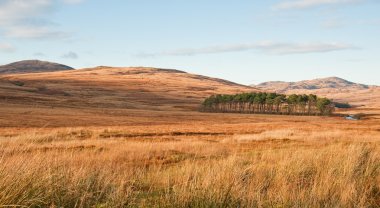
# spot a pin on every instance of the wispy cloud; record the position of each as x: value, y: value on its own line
x: 340, y: 23
x: 30, y: 18
x: 306, y: 4
x: 6, y: 47
x: 39, y: 54
x: 73, y: 1
x: 265, y: 47
x: 70, y: 55
x: 332, y: 24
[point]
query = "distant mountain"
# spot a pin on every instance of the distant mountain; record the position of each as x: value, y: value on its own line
x: 330, y: 83
x: 338, y: 89
x: 32, y: 66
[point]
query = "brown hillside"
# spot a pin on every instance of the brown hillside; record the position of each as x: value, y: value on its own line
x: 109, y: 87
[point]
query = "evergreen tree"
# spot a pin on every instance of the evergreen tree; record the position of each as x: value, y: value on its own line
x: 268, y: 103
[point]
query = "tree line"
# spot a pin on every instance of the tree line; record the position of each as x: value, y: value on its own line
x: 268, y: 103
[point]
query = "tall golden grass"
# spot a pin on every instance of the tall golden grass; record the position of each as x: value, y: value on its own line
x: 275, y: 168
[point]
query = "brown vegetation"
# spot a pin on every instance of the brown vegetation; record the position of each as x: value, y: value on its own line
x: 113, y: 88
x: 117, y: 137
x: 199, y: 160
x: 264, y: 163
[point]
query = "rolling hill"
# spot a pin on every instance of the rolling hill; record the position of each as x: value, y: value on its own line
x: 32, y: 66
x: 113, y: 87
x: 336, y: 88
x: 106, y: 96
x: 315, y: 84
x: 133, y: 95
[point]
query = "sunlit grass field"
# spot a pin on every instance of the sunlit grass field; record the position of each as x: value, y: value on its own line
x: 293, y: 162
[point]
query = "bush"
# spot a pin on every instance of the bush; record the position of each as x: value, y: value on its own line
x: 342, y: 105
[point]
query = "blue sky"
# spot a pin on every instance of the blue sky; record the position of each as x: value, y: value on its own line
x: 245, y: 41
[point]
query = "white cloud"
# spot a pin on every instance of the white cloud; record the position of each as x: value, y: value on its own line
x: 73, y: 1
x: 297, y: 48
x: 6, y: 47
x: 306, y: 4
x: 30, y: 18
x: 339, y: 23
x: 266, y: 47
x: 34, y: 32
x: 70, y: 55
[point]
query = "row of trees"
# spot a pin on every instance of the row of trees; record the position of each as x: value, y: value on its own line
x: 268, y: 103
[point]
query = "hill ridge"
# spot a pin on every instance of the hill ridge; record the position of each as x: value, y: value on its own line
x: 32, y: 66
x: 313, y: 84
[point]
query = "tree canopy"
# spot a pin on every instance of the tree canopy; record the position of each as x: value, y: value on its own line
x: 272, y: 103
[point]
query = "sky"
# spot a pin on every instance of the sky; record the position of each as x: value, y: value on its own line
x: 245, y: 41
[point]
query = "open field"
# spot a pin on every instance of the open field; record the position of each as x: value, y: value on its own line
x: 73, y: 139
x: 208, y: 160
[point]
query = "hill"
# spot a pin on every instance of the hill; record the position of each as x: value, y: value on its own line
x: 315, y: 84
x: 113, y: 94
x: 336, y: 88
x: 113, y: 87
x: 32, y: 66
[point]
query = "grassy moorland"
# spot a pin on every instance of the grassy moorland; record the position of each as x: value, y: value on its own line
x: 272, y: 161
x: 131, y: 137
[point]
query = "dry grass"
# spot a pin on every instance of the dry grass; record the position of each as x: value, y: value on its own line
x: 169, y: 168
x: 126, y: 137
x: 117, y: 88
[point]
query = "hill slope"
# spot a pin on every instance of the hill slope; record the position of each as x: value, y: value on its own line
x: 111, y: 87
x: 32, y: 66
x: 336, y: 88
